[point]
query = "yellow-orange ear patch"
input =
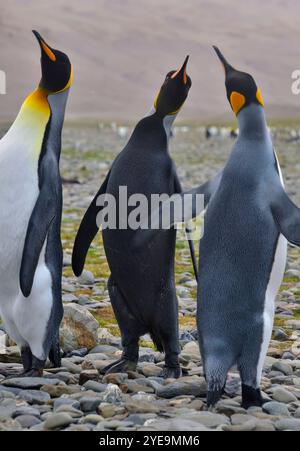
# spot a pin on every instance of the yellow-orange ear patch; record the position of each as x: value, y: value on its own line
x: 259, y: 97
x: 237, y: 101
x: 48, y: 51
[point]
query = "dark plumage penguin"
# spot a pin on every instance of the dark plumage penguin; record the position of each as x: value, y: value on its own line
x: 30, y: 216
x: 141, y: 285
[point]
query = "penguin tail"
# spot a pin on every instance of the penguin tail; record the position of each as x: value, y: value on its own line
x: 157, y: 341
x: 213, y: 396
x: 216, y: 369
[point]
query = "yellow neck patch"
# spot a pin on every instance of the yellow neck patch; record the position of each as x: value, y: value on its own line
x: 237, y: 101
x: 37, y: 102
x: 259, y: 97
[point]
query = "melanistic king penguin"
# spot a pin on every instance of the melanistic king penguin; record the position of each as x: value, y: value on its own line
x: 243, y: 251
x: 30, y: 216
x: 142, y: 285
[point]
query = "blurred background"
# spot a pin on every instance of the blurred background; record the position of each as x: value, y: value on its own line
x: 122, y: 49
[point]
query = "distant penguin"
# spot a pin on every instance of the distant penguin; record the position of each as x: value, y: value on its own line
x: 243, y: 251
x: 142, y: 285
x: 30, y: 216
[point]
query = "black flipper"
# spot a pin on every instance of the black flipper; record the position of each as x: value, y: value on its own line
x: 87, y: 231
x: 41, y: 219
x: 189, y: 212
x: 287, y: 216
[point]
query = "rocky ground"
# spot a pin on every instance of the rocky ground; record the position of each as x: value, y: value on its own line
x: 76, y: 397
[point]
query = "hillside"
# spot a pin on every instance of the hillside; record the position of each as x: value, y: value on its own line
x: 122, y: 49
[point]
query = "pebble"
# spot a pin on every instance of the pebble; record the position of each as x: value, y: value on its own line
x: 289, y: 424
x: 27, y: 421
x: 283, y: 395
x: 89, y: 404
x: 276, y: 408
x: 193, y: 387
x: 30, y: 382
x: 283, y: 367
x: 34, y: 397
x: 57, y: 421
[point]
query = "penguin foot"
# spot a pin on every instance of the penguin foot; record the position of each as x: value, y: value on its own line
x: 120, y: 366
x: 171, y: 372
x: 251, y: 397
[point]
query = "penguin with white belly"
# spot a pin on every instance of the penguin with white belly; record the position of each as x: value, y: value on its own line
x: 30, y: 216
x: 243, y: 251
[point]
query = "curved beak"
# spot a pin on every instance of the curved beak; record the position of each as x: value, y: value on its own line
x: 226, y: 65
x: 181, y: 73
x: 46, y: 50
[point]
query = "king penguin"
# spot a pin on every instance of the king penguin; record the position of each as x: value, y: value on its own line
x: 30, y: 216
x: 248, y: 221
x: 142, y: 285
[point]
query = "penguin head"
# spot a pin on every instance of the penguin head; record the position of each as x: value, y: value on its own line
x: 173, y: 92
x: 240, y: 86
x: 57, y: 70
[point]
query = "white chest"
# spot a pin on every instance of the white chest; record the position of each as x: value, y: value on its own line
x: 18, y: 194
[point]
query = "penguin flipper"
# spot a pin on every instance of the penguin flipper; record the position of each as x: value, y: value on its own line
x: 287, y: 216
x: 87, y: 231
x: 43, y: 215
x: 179, y: 212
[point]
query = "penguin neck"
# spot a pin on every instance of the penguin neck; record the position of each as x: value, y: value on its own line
x: 167, y: 121
x: 57, y: 104
x: 252, y: 123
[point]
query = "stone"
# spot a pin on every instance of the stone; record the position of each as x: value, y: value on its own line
x: 193, y: 387
x: 283, y: 367
x: 95, y: 386
x: 288, y: 424
x: 88, y: 375
x: 104, y: 349
x: 26, y: 410
x: 108, y: 410
x: 74, y: 413
x: 115, y: 378
x: 141, y: 407
x: 70, y: 366
x: 297, y: 413
x: 8, y: 424
x: 247, y: 426
x: 177, y: 424
x: 65, y: 402
x: 293, y: 324
x: 79, y: 328
x: 208, y: 419
x: 89, y: 404
x: 59, y: 390
x: 92, y: 418
x: 112, y: 394
x: 10, y: 355
x: 150, y: 370
x: 30, y: 382
x: 280, y: 335
x: 27, y: 421
x: 86, y: 278
x: 283, y: 395
x: 57, y: 421
x: 276, y: 408
x: 34, y: 396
